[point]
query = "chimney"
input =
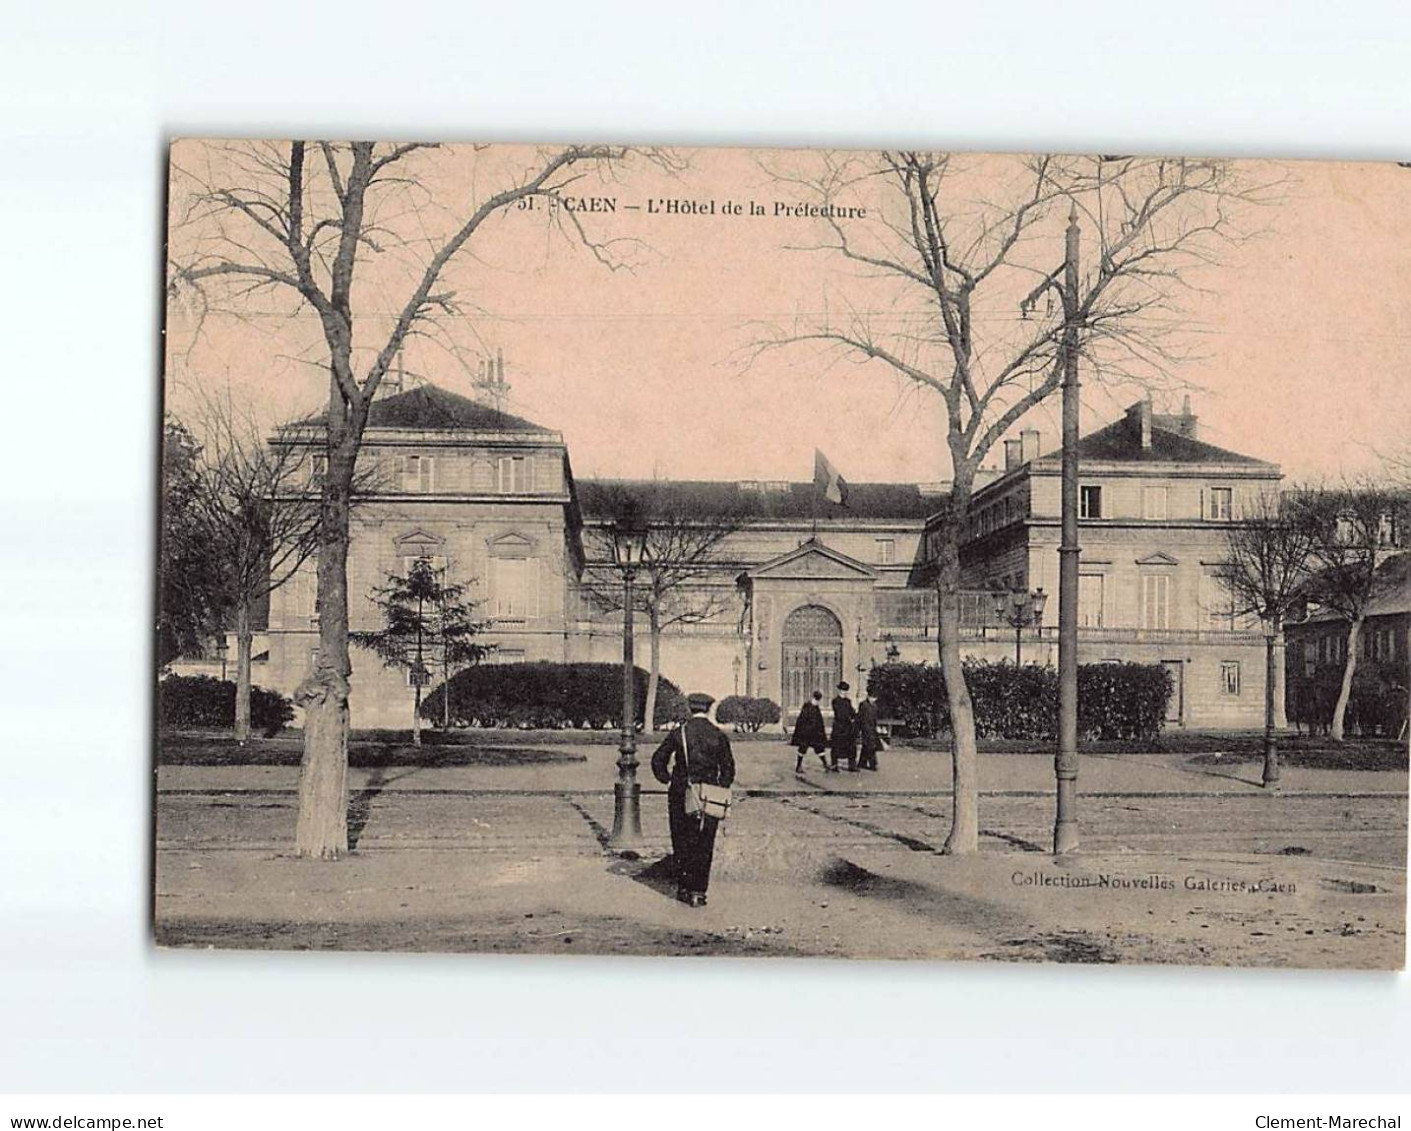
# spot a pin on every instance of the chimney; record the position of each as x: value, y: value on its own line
x: 1188, y: 421
x: 1139, y: 417
x: 1013, y: 454
x: 1029, y: 445
x: 1182, y: 425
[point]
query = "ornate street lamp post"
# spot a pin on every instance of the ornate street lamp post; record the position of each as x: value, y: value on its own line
x: 629, y: 551
x: 1019, y: 610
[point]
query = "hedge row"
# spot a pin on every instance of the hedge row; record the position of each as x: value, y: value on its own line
x: 548, y: 696
x: 1377, y: 704
x: 202, y: 701
x: 1115, y: 701
x: 747, y: 714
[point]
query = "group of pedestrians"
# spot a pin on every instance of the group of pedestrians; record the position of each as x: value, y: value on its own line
x: 855, y: 738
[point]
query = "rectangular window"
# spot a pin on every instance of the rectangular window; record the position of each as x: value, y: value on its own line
x: 1154, y: 503
x: 1090, y: 600
x: 318, y: 468
x: 1310, y: 658
x: 1090, y: 502
x: 1156, y: 601
x: 417, y: 473
x: 515, y: 585
x: 1229, y: 677
x: 886, y: 551
x: 514, y: 475
x: 438, y: 565
x: 1220, y: 604
x: 1222, y: 504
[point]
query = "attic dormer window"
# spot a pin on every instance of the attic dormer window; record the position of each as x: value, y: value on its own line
x: 417, y: 472
x: 513, y: 475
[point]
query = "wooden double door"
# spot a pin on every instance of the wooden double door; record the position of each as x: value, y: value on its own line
x: 812, y: 656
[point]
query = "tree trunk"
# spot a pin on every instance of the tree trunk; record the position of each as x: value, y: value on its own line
x: 654, y: 676
x: 416, y: 712
x: 322, y: 831
x: 1354, y: 631
x: 244, y: 639
x: 445, y: 687
x: 964, y: 838
x: 1271, y: 748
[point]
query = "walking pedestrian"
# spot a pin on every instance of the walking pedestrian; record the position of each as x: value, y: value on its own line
x: 696, y: 751
x: 869, y: 738
x: 810, y: 733
x: 844, y: 729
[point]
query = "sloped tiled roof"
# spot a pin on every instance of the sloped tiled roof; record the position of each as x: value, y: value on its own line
x: 1121, y: 442
x: 603, y: 498
x: 428, y: 408
x: 1393, y: 593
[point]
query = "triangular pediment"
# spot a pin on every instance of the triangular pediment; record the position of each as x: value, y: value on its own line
x: 418, y: 540
x: 812, y: 560
x: 1158, y: 559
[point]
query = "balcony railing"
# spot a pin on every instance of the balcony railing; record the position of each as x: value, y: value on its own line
x: 1088, y: 634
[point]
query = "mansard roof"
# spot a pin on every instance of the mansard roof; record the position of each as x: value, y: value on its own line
x: 429, y: 408
x: 754, y: 501
x: 1121, y: 442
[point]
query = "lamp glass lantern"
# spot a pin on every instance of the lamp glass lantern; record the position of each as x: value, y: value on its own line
x: 629, y: 542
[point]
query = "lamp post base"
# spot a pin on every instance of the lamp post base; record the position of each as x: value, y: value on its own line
x: 626, y: 816
x: 1065, y: 837
x: 1271, y: 763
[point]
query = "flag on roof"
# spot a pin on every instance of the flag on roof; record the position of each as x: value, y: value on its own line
x: 830, y: 484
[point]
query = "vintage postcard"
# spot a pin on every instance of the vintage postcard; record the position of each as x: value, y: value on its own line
x: 877, y: 555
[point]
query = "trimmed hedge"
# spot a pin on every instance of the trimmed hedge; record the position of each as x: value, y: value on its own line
x: 746, y: 713
x: 548, y: 696
x: 1115, y: 701
x: 1377, y: 704
x: 202, y: 701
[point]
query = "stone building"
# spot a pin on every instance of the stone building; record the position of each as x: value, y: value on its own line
x: 800, y: 591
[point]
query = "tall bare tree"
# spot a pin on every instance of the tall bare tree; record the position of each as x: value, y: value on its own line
x: 191, y: 593
x: 352, y: 234
x: 1354, y: 530
x: 262, y: 521
x: 960, y: 293
x: 681, y: 576
x: 1265, y: 571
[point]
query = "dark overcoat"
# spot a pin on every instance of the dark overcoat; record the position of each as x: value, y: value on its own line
x: 708, y: 757
x: 809, y: 731
x: 868, y: 737
x: 844, y: 728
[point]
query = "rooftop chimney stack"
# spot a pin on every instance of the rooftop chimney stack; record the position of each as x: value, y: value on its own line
x: 1029, y: 445
x: 1139, y: 417
x: 1182, y: 425
x: 1013, y: 454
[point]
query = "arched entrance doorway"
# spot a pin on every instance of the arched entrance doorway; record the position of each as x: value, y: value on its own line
x: 813, y: 655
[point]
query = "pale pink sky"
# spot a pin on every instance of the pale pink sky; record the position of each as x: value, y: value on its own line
x: 1303, y: 334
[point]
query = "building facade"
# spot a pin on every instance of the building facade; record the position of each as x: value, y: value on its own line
x: 798, y: 592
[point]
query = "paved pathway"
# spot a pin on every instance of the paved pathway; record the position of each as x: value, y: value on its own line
x: 769, y: 765
x: 513, y: 859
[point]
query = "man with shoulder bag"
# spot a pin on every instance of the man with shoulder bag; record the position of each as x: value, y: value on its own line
x: 697, y: 767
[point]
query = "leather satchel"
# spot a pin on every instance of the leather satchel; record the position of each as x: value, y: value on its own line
x: 703, y: 799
